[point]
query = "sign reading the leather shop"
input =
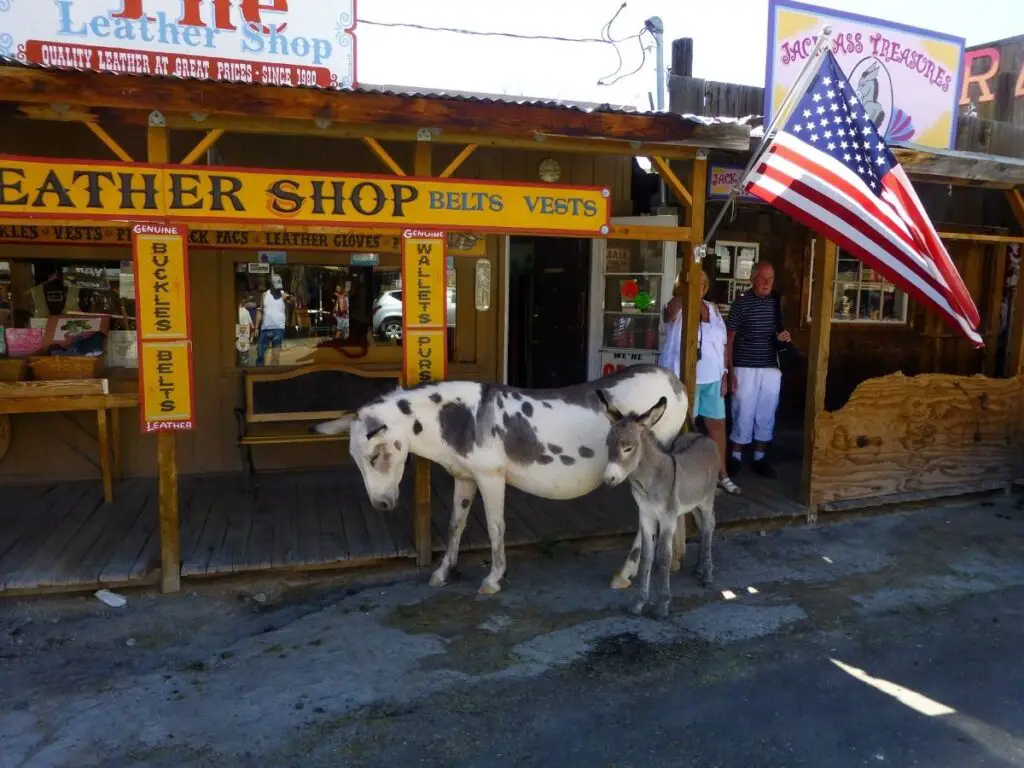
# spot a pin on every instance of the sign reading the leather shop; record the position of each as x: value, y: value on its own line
x: 73, y: 190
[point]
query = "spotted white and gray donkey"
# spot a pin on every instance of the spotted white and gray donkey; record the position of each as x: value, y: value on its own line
x: 549, y: 443
x: 666, y: 485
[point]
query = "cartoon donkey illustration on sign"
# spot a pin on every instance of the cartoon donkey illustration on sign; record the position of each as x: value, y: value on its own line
x: 549, y: 443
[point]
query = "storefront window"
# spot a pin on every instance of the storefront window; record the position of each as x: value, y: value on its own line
x: 632, y: 295
x: 861, y: 295
x: 734, y: 262
x: 68, y: 308
x: 286, y: 311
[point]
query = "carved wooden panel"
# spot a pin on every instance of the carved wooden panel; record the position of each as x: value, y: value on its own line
x: 900, y: 434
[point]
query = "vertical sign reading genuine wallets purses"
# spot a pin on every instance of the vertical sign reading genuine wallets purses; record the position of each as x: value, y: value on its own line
x: 164, y: 327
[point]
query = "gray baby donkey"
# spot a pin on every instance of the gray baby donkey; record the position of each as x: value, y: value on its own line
x: 665, y: 486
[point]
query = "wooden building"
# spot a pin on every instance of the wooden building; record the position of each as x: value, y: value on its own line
x: 92, y: 500
x: 891, y: 404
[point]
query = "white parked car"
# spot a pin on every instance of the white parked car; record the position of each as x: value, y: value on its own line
x: 387, y: 314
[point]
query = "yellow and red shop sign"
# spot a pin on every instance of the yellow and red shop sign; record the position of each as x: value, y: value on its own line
x: 164, y: 329
x: 71, y: 189
x: 204, y: 235
x: 424, y: 308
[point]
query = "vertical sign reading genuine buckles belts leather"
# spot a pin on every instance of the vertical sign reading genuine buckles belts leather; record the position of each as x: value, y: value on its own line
x: 164, y: 327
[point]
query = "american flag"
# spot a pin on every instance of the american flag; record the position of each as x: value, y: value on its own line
x: 828, y: 168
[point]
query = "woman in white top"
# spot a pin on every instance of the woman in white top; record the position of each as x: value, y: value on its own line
x: 712, y: 376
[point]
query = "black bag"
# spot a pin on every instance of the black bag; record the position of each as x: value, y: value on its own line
x: 787, y: 354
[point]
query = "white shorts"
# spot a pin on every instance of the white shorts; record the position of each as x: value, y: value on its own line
x: 754, y: 404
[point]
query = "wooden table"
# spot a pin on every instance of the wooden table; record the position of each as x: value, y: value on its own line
x: 76, y: 395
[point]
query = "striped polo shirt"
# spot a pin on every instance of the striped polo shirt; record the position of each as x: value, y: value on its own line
x: 753, y: 320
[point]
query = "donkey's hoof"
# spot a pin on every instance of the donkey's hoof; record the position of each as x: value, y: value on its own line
x: 707, y: 581
x: 621, y: 582
x: 437, y: 580
x: 660, y: 611
x: 637, y: 608
x: 489, y: 588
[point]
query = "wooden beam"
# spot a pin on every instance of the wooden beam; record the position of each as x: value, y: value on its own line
x: 108, y: 140
x: 383, y: 156
x: 979, y: 238
x: 694, y: 217
x: 204, y: 144
x: 70, y: 114
x: 459, y: 159
x: 523, y: 121
x: 537, y: 142
x: 676, y: 234
x: 422, y: 507
x: 825, y: 254
x: 158, y: 153
x: 422, y: 159
x: 682, y: 194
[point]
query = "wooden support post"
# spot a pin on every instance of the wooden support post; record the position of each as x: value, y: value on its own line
x: 1015, y: 343
x: 158, y: 152
x: 694, y: 218
x: 170, y: 529
x: 459, y: 159
x: 422, y: 166
x: 115, y: 442
x: 383, y: 156
x: 825, y: 254
x: 109, y: 141
x: 995, y: 302
x: 681, y: 192
x: 103, y: 433
x: 204, y: 144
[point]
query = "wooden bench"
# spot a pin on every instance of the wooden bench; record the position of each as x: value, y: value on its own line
x: 303, y: 395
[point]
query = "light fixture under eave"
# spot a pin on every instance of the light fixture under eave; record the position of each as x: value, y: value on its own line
x: 644, y: 163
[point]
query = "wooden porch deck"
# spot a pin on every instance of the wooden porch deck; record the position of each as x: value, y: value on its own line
x: 64, y: 537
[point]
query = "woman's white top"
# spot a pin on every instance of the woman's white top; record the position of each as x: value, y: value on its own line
x: 668, y: 357
x: 713, y: 335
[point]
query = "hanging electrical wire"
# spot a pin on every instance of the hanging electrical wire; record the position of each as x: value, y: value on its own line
x: 605, y: 39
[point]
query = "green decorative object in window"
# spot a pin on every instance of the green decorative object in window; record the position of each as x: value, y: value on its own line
x: 642, y: 301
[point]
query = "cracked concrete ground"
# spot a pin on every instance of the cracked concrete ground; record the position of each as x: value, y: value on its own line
x: 821, y: 653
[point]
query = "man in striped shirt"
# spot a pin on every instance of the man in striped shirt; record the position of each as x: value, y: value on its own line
x: 753, y: 365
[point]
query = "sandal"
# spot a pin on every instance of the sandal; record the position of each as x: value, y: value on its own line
x: 729, y: 487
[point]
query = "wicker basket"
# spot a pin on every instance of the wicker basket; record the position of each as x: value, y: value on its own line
x: 12, y: 369
x: 61, y: 367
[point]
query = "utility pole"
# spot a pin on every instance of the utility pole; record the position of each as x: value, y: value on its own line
x: 655, y: 26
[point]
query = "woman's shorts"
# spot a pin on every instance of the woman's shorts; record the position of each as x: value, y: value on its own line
x: 708, y: 401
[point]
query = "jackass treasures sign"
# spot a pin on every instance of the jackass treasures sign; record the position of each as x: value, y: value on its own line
x: 424, y: 308
x: 164, y: 328
x: 907, y: 79
x: 75, y: 190
x: 269, y: 42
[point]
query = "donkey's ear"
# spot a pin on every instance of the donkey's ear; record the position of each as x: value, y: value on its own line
x: 653, y: 416
x: 336, y: 427
x: 613, y: 413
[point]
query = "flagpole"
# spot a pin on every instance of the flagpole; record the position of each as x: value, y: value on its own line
x: 781, y: 115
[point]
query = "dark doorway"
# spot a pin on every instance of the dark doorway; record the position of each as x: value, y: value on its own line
x: 548, y: 297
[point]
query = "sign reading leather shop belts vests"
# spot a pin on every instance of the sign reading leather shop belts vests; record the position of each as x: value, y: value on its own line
x: 424, y: 308
x: 166, y: 392
x: 85, y: 190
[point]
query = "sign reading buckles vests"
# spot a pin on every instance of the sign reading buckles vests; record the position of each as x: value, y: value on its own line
x: 166, y: 392
x: 424, y: 308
